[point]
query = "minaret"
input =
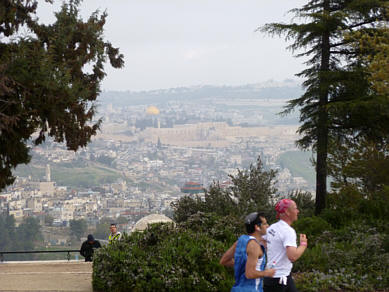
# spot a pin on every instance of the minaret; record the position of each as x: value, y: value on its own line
x: 48, y: 172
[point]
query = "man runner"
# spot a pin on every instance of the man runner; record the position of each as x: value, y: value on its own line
x: 248, y: 257
x: 282, y: 248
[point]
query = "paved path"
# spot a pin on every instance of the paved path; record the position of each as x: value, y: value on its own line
x: 46, y: 276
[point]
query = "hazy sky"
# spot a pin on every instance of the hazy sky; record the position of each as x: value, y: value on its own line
x: 172, y: 43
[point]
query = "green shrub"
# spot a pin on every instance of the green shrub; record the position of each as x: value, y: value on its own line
x: 350, y: 204
x: 336, y: 280
x: 353, y: 258
x: 338, y: 218
x: 225, y: 229
x: 162, y: 258
x: 312, y: 227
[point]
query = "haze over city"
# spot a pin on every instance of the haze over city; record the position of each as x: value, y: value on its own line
x: 174, y: 43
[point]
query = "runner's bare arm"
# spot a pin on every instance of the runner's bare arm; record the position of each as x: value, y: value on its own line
x: 254, y: 252
x: 228, y: 257
x: 294, y: 253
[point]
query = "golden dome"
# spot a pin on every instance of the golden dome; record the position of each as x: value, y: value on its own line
x: 152, y: 110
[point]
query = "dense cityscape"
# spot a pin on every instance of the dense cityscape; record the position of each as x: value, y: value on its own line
x: 144, y: 155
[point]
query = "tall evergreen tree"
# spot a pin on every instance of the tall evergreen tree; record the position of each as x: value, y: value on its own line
x: 44, y: 86
x: 361, y: 110
x: 328, y: 78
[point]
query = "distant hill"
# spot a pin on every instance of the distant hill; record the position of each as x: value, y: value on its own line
x: 284, y: 90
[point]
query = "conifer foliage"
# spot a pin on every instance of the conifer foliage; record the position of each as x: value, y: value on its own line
x: 335, y: 79
x: 44, y: 86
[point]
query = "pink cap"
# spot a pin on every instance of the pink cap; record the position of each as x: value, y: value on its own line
x: 282, y: 206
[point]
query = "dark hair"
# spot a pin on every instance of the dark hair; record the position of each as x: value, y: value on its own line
x: 113, y: 224
x: 251, y: 220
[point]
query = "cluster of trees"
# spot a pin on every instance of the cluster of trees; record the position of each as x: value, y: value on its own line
x: 28, y: 235
x: 78, y: 228
x: 24, y: 237
x: 252, y: 189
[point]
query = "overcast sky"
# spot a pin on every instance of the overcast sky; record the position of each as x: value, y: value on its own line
x: 173, y: 43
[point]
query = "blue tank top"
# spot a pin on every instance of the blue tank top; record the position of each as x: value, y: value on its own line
x: 242, y: 284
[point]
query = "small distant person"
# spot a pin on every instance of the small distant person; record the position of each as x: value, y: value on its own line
x: 115, y: 234
x: 282, y: 248
x: 88, y: 247
x: 248, y: 257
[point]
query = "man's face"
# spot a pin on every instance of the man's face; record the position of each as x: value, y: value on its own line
x: 293, y: 211
x: 113, y: 229
x: 264, y: 225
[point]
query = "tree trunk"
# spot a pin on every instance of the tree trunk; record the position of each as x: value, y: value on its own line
x: 322, y: 125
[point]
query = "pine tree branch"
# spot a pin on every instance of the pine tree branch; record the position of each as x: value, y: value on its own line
x: 343, y: 52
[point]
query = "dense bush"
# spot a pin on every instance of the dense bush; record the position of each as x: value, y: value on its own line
x: 353, y: 258
x: 348, y: 244
x: 225, y: 229
x: 350, y: 205
x: 162, y: 258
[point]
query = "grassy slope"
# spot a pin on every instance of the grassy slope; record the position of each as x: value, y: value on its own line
x: 88, y: 176
x: 299, y: 164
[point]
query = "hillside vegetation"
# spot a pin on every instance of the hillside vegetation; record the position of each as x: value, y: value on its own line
x: 72, y: 175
